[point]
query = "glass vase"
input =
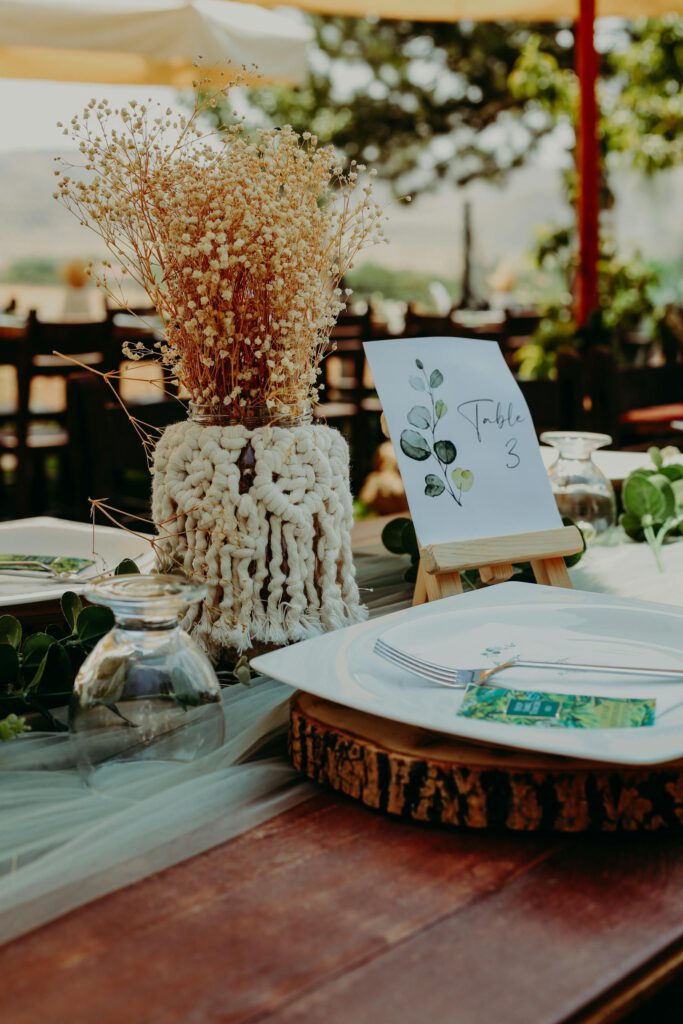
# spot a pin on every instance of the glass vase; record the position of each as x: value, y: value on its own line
x: 581, y: 489
x: 146, y: 691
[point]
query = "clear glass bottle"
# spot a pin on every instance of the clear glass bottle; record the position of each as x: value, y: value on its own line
x: 146, y: 691
x: 250, y: 416
x: 581, y: 489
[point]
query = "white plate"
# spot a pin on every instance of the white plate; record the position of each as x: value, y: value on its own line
x: 480, y: 628
x: 44, y: 535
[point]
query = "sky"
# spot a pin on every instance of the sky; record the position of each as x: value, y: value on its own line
x: 427, y: 234
x: 29, y: 110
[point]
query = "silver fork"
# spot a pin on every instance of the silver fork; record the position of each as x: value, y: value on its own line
x: 34, y: 570
x: 460, y: 678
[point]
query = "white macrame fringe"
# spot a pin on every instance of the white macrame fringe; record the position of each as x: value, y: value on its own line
x: 277, y: 558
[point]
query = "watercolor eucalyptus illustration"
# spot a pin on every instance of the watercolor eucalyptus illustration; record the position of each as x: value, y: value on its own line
x: 421, y: 443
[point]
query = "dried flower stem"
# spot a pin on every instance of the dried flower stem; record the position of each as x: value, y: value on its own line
x: 240, y: 241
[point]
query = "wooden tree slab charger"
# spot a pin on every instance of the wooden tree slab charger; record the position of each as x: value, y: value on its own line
x: 432, y: 777
x: 441, y: 564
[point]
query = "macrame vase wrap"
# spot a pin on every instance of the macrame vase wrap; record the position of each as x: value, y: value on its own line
x: 272, y: 542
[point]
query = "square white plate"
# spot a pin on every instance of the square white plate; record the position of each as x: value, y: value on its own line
x: 43, y: 535
x: 485, y: 627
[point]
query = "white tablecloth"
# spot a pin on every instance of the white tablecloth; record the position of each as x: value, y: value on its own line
x: 63, y: 843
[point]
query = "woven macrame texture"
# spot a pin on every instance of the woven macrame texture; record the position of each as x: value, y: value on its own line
x: 277, y: 557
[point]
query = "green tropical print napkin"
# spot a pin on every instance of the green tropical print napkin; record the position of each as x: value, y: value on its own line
x: 556, y: 710
x: 60, y: 563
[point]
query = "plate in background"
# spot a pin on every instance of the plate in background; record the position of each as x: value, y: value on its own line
x: 44, y: 535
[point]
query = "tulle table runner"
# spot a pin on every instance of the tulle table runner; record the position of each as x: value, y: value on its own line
x: 63, y: 844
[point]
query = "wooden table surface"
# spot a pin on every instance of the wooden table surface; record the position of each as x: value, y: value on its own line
x: 333, y: 913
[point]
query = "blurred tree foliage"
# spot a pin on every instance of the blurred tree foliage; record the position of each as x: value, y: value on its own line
x: 426, y: 101
x: 421, y: 101
x: 627, y: 305
x: 641, y: 126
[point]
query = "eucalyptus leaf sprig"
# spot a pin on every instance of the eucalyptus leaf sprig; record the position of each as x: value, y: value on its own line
x: 37, y: 672
x: 416, y: 446
x: 653, y: 502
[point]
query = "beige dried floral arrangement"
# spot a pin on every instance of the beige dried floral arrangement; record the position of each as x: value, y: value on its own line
x: 240, y: 239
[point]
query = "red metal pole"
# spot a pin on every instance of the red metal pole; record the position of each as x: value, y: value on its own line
x: 588, y: 163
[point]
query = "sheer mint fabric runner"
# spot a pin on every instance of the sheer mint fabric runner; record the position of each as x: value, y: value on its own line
x: 63, y: 844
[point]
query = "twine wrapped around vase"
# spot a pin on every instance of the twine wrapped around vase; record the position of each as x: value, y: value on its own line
x: 270, y: 534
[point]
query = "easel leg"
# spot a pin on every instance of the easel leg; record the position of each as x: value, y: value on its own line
x: 551, y: 572
x: 445, y: 584
x: 420, y: 592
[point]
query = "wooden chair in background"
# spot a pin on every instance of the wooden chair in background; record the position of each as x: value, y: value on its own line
x: 518, y: 329
x: 634, y: 404
x: 557, y: 404
x: 107, y: 458
x: 419, y: 325
x: 347, y: 399
x: 36, y: 433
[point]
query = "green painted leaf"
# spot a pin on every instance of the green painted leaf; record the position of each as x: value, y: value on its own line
x: 467, y: 480
x: 127, y: 567
x: 462, y: 478
x: 435, y: 379
x: 656, y: 457
x: 415, y: 446
x: 93, y: 623
x: 445, y: 451
x: 440, y: 408
x: 9, y: 667
x: 10, y: 631
x: 420, y: 417
x: 420, y: 365
x: 392, y: 535
x: 417, y: 383
x: 71, y: 608
x: 434, y: 486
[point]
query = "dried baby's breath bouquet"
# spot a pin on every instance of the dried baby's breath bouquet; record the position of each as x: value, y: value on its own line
x: 240, y: 239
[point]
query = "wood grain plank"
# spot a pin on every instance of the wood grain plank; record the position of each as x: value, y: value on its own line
x: 549, y: 946
x: 236, y: 932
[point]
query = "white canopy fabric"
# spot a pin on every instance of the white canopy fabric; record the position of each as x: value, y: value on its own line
x: 482, y: 10
x: 148, y: 41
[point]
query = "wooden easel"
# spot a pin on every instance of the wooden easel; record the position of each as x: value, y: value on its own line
x: 441, y: 564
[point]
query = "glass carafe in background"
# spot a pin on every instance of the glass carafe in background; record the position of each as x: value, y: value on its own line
x: 582, y: 491
x: 146, y: 691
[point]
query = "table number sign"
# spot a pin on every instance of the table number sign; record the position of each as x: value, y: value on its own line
x: 478, y: 491
x: 464, y: 438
